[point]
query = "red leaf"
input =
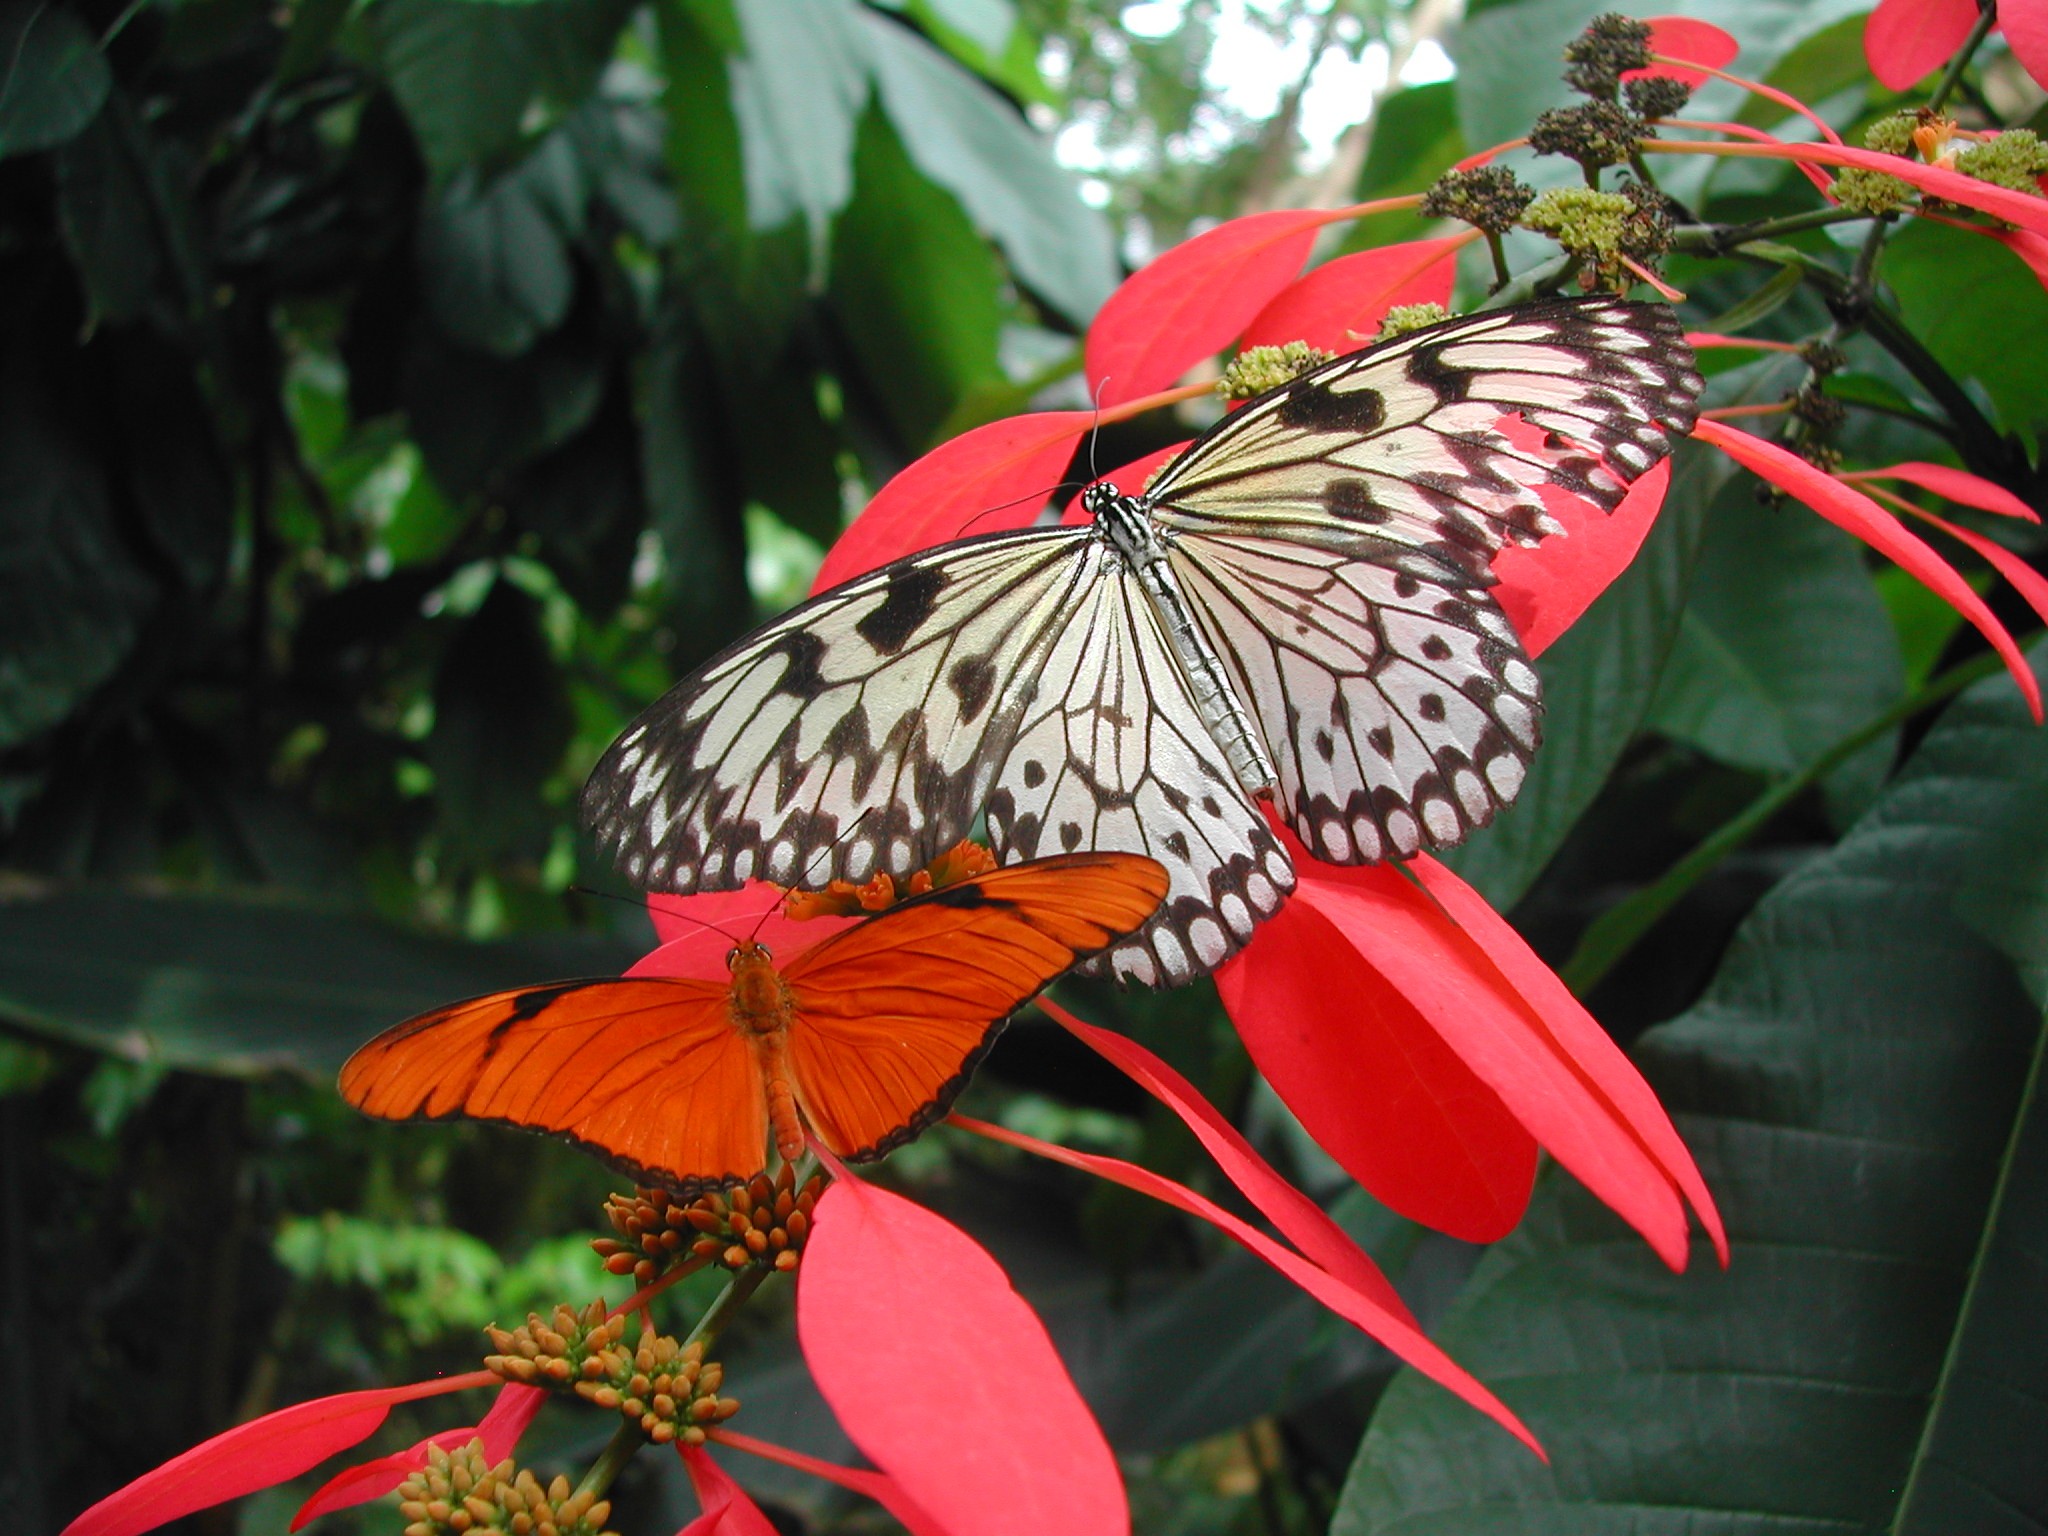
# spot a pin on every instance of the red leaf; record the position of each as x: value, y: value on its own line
x: 699, y: 931
x: 499, y: 1430
x: 1533, y: 1045
x: 1339, y: 305
x: 974, y: 478
x: 1194, y: 300
x: 727, y: 1509
x: 1697, y: 42
x: 259, y: 1454
x: 1907, y: 40
x: 1397, y: 1333
x: 1372, y: 1081
x: 1543, y: 589
x: 1589, y: 1048
x: 2025, y: 23
x: 2029, y: 583
x: 1304, y: 1222
x: 1849, y: 508
x: 944, y: 1376
x: 874, y: 1485
x: 1956, y: 485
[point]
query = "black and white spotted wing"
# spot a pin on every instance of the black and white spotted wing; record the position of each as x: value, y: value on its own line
x: 1325, y: 550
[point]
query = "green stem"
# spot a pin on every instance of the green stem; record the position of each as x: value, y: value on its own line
x: 1544, y: 278
x: 1616, y: 931
x: 1501, y: 275
x: 730, y: 1300
x: 1987, y: 18
x: 1720, y: 239
x: 624, y: 1444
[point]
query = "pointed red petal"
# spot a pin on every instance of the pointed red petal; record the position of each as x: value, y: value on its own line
x: 1305, y: 1223
x: 1339, y: 305
x: 1534, y: 1046
x: 499, y: 1430
x: 1956, y: 485
x: 1545, y: 587
x: 974, y: 478
x: 2030, y: 583
x: 1907, y: 40
x: 2023, y: 209
x: 1398, y: 1334
x: 874, y: 1485
x: 1697, y: 42
x: 944, y: 1376
x: 1849, y: 508
x: 1372, y: 1081
x: 1579, y: 1036
x: 1194, y: 300
x: 2025, y: 23
x: 727, y: 1509
x: 260, y: 1454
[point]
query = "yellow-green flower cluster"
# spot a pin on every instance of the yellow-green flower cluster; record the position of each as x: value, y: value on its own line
x: 458, y: 1493
x: 1258, y: 369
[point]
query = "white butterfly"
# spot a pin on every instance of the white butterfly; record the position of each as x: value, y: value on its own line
x: 1296, y: 610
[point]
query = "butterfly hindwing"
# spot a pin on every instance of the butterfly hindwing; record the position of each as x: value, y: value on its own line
x: 893, y: 1014
x: 1399, y: 709
x: 1111, y: 753
x: 647, y: 1072
x: 891, y: 699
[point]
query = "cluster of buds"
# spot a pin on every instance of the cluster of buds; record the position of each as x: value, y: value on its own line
x: 842, y: 898
x: 1258, y: 369
x: 1489, y: 197
x: 762, y: 1222
x: 552, y: 1352
x: 456, y: 1491
x: 1610, y: 47
x: 669, y: 1389
x: 1403, y: 318
x: 655, y: 1235
x: 1597, y: 134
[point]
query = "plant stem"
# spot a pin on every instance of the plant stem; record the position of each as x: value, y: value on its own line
x: 625, y: 1442
x: 1616, y: 931
x: 1987, y: 18
x: 730, y: 1300
x: 1720, y: 239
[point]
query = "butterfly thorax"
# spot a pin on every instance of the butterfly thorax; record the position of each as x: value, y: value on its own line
x: 1126, y: 523
x: 759, y: 1001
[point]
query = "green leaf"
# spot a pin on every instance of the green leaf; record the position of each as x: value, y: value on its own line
x: 975, y: 145
x: 1784, y: 648
x: 72, y: 596
x: 984, y: 35
x: 1853, y: 1082
x: 797, y: 93
x: 1966, y: 298
x: 584, y: 502
x: 493, y: 264
x: 1830, y: 60
x: 239, y: 986
x: 477, y: 79
x: 1415, y: 139
x: 475, y: 415
x: 914, y: 289
x: 1598, y: 681
x: 103, y: 211
x: 53, y: 78
x: 501, y: 724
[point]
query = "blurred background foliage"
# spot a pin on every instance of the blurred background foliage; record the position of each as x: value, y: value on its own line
x: 395, y: 396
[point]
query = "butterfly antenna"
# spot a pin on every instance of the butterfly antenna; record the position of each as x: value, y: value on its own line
x: 1041, y: 495
x: 823, y: 853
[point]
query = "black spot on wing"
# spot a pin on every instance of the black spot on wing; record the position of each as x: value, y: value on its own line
x: 1321, y: 408
x: 803, y: 679
x: 972, y: 679
x: 912, y: 594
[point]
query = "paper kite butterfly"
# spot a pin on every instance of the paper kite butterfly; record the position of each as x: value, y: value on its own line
x: 1294, y: 611
x: 866, y: 1037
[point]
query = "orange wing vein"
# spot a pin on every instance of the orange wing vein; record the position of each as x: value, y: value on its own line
x: 648, y: 1073
x: 893, y: 1015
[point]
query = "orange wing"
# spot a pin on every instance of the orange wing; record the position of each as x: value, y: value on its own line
x: 892, y: 1016
x: 648, y: 1073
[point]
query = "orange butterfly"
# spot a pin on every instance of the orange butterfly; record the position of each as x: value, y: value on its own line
x: 866, y: 1037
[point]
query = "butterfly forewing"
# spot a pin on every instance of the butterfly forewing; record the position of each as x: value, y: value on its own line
x: 893, y: 1015
x: 891, y: 700
x: 1403, y: 443
x: 646, y: 1072
x: 1112, y: 753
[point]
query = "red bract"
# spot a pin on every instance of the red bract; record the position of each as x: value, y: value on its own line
x: 1907, y: 40
x: 1194, y: 300
x: 977, y: 476
x: 499, y: 1430
x: 874, y: 1485
x: 1400, y: 987
x: 1339, y: 306
x: 1848, y: 508
x: 1543, y: 589
x: 260, y: 1454
x: 2025, y: 23
x: 727, y: 1509
x: 1696, y: 42
x: 1956, y: 485
x: 944, y: 1376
